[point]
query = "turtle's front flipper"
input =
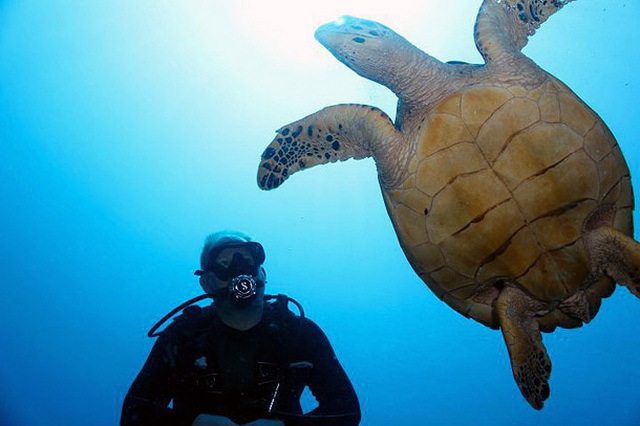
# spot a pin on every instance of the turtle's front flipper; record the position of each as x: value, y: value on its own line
x: 529, y: 360
x: 504, y: 26
x: 335, y: 133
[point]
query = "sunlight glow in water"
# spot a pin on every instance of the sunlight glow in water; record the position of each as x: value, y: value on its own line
x: 285, y: 27
x: 339, y: 21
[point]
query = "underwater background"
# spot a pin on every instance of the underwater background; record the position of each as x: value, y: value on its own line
x: 129, y: 130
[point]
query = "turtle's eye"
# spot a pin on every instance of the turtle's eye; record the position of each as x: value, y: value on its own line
x: 359, y: 39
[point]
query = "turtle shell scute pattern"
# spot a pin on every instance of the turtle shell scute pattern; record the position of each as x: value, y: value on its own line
x: 498, y: 189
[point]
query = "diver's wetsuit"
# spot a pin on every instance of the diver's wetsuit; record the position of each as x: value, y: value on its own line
x: 201, y: 365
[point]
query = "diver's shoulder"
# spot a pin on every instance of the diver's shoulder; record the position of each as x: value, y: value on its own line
x: 293, y: 322
x: 190, y: 321
x: 310, y: 325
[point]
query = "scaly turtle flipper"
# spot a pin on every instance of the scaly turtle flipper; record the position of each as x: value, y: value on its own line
x: 612, y: 252
x: 530, y: 363
x: 504, y: 26
x: 334, y: 133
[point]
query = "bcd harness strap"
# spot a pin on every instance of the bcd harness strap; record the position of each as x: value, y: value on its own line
x: 282, y: 301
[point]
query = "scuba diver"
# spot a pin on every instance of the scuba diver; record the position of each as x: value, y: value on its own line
x: 244, y: 359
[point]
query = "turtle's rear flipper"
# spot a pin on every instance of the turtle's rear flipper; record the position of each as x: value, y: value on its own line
x: 615, y: 254
x: 529, y: 360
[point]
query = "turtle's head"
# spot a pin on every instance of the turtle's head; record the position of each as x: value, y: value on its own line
x: 367, y: 47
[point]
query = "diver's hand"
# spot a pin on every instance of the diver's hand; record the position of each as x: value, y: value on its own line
x: 265, y: 422
x: 211, y: 420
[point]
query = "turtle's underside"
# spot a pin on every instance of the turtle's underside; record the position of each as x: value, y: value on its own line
x: 510, y: 196
x: 497, y: 193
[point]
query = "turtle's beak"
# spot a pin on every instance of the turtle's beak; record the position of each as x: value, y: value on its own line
x: 331, y: 34
x: 327, y: 32
x: 348, y: 27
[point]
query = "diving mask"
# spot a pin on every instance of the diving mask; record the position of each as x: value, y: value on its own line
x: 234, y: 259
x: 239, y: 264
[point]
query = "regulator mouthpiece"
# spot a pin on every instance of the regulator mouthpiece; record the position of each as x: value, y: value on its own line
x: 243, y: 287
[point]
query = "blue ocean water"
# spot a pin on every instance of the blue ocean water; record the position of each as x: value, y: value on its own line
x: 130, y: 130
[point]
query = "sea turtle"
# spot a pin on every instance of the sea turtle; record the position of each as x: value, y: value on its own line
x: 510, y: 197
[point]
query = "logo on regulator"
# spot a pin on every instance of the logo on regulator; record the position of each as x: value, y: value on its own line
x: 243, y: 286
